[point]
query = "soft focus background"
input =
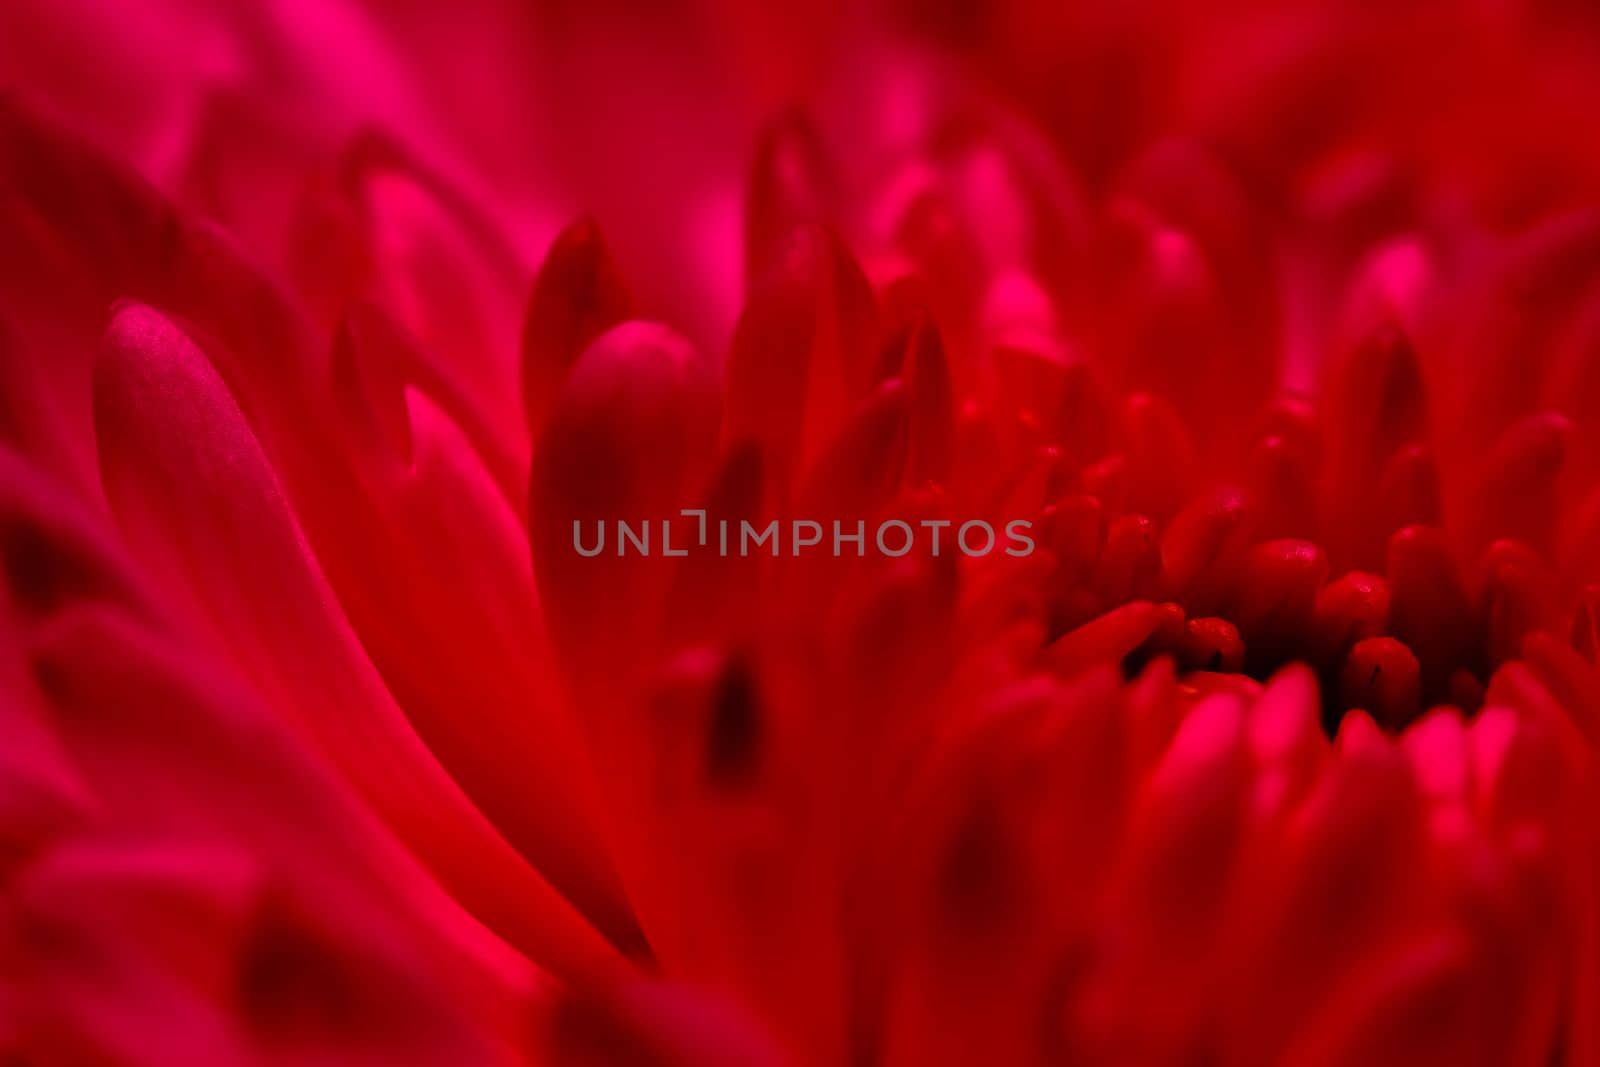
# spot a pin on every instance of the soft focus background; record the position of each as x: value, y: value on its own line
x: 646, y: 114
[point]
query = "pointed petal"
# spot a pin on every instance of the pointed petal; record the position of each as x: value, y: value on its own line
x: 192, y: 490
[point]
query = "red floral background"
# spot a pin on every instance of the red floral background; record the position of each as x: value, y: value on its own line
x: 321, y: 324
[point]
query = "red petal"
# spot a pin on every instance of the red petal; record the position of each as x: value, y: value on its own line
x: 790, y: 185
x: 194, y: 493
x: 577, y: 296
x: 1276, y: 597
x: 1348, y: 610
x: 629, y: 439
x: 800, y: 356
x: 1518, y: 493
x: 1429, y: 609
x: 1381, y: 676
x: 1108, y: 639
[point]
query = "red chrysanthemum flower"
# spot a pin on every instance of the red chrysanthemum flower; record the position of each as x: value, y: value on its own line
x: 1170, y: 439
